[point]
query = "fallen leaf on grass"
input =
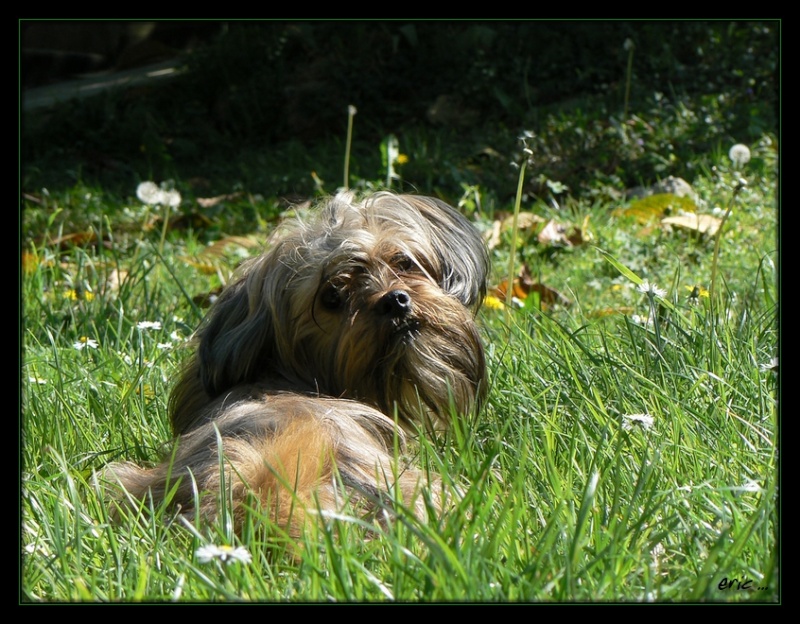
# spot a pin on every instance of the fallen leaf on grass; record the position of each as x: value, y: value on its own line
x: 554, y: 234
x: 523, y: 285
x: 560, y: 234
x: 649, y: 209
x: 210, y: 259
x: 210, y: 202
x: 76, y: 239
x: 115, y: 279
x: 703, y: 224
x: 525, y: 221
x: 624, y: 310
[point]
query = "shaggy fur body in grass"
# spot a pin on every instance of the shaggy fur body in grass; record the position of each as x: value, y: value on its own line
x: 354, y: 327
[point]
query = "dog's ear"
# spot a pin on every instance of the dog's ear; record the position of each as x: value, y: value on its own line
x: 460, y: 248
x: 237, y: 338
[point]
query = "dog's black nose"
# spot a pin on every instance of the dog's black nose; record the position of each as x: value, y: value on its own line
x: 396, y: 303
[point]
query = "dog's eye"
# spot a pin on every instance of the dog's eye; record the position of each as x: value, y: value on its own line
x: 330, y: 297
x: 404, y: 263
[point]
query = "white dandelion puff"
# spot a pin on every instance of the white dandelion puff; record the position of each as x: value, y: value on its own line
x: 153, y: 195
x: 149, y: 193
x: 171, y: 198
x: 739, y: 154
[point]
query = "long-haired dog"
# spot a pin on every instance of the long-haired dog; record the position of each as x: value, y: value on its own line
x: 355, y: 326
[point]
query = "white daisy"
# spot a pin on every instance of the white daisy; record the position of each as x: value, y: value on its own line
x: 226, y: 554
x: 84, y: 342
x: 629, y: 421
x: 651, y: 289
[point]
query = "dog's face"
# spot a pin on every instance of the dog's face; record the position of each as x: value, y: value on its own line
x: 372, y: 301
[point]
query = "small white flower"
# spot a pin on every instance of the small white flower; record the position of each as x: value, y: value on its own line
x: 37, y: 380
x: 226, y: 554
x: 629, y: 421
x: 148, y: 325
x: 651, y: 289
x: 739, y: 154
x: 84, y: 342
x: 164, y: 345
x: 149, y: 193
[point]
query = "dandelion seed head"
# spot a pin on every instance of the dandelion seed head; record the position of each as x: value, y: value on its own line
x: 171, y: 198
x: 153, y: 195
x: 739, y: 154
x: 148, y: 193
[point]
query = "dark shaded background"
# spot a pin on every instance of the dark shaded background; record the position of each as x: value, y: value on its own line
x: 274, y: 85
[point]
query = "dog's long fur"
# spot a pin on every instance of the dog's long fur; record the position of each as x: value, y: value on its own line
x: 359, y: 313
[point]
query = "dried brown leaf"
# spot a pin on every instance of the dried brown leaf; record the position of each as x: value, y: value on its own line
x: 554, y: 234
x: 525, y: 221
x: 703, y: 224
x: 210, y: 202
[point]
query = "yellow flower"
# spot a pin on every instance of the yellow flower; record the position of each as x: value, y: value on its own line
x: 401, y: 159
x: 492, y: 302
x: 696, y: 292
x: 74, y: 295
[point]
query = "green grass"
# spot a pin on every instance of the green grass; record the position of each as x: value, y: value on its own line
x: 564, y: 496
x: 562, y: 501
